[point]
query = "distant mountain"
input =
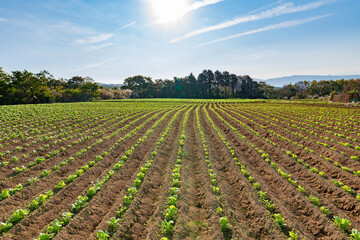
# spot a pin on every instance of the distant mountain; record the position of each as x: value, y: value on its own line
x: 110, y: 85
x: 281, y: 81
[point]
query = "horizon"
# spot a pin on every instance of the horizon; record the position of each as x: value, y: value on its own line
x: 115, y: 40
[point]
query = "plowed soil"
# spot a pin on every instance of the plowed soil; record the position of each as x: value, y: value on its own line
x: 197, y: 216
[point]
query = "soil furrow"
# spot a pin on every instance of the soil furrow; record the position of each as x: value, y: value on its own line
x: 135, y: 221
x: 246, y: 214
x: 197, y: 218
x: 19, y: 200
x: 31, y: 226
x: 292, y: 205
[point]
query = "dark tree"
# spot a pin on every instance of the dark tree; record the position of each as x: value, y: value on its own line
x: 142, y: 86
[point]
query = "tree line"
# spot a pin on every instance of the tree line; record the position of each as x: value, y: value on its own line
x: 216, y: 85
x: 24, y: 87
x: 208, y: 84
x: 337, y: 90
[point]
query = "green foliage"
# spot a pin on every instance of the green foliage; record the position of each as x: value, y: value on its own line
x: 170, y: 212
x: 280, y: 220
x: 80, y: 202
x: 18, y: 215
x: 26, y: 87
x: 71, y: 178
x: 103, y: 235
x: 343, y: 223
x: 45, y: 236
x: 113, y: 223
x: 225, y: 225
x: 167, y: 226
x: 45, y: 173
x: 4, y: 227
x: 54, y: 227
x: 325, y: 210
x: 355, y: 234
x: 315, y: 201
x: 4, y: 194
x: 301, y: 189
x: 293, y: 235
x: 59, y: 186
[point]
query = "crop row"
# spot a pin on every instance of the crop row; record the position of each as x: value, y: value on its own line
x: 224, y: 222
x: 171, y: 209
x: 342, y: 223
x: 81, y: 201
x: 265, y: 199
x: 8, y: 192
x: 72, y: 177
x: 131, y: 191
x: 312, y: 169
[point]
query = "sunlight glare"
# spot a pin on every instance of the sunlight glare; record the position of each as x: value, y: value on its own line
x: 168, y: 11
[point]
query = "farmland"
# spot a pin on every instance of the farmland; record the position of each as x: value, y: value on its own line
x: 180, y: 169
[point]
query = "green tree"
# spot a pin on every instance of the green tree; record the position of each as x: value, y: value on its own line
x: 141, y: 86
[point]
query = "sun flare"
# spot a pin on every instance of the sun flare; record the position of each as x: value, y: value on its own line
x: 168, y: 11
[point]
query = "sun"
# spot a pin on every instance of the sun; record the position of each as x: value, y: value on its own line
x: 168, y: 11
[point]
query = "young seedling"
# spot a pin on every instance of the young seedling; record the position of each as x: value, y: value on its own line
x: 343, y: 223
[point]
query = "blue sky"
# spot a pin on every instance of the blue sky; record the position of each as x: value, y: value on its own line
x: 114, y: 39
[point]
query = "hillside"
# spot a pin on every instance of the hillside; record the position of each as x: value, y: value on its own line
x: 281, y: 81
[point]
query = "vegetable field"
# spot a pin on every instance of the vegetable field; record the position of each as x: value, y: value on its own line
x: 180, y: 169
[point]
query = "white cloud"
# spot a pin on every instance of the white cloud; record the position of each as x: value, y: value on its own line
x: 102, y: 37
x: 266, y: 6
x: 94, y: 65
x: 95, y: 39
x: 258, y: 55
x: 126, y: 26
x: 277, y: 11
x: 167, y: 11
x: 201, y: 4
x: 98, y: 47
x: 67, y: 28
x: 3, y: 20
x: 270, y: 27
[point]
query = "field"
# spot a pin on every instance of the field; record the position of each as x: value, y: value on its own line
x: 182, y: 169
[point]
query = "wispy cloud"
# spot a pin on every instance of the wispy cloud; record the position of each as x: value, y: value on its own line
x: 200, y: 4
x: 126, y: 26
x: 276, y: 11
x: 48, y: 30
x: 267, y: 28
x: 102, y: 37
x: 256, y: 56
x: 95, y: 39
x: 185, y: 10
x: 3, y: 20
x: 94, y: 65
x: 69, y: 28
x: 266, y: 6
x: 98, y: 47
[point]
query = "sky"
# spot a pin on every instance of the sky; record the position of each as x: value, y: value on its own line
x: 115, y: 39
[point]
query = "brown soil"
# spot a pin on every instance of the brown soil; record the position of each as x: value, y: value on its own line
x: 245, y: 212
x: 25, y: 196
x: 95, y: 217
x: 197, y: 217
x: 341, y: 202
x: 7, y: 172
x: 30, y: 227
x: 299, y: 212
